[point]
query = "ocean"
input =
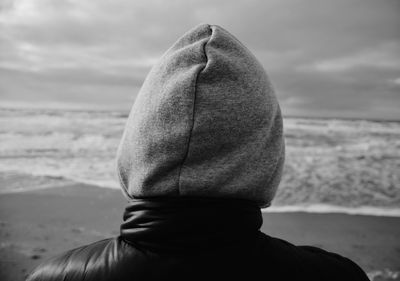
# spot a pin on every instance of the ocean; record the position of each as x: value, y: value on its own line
x: 332, y: 165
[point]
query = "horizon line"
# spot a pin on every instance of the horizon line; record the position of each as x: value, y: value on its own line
x: 77, y: 108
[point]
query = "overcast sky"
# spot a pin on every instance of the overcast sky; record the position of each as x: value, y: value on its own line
x: 325, y: 58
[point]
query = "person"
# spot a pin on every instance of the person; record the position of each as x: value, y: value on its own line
x: 202, y: 152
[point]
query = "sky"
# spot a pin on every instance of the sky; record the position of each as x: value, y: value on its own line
x: 325, y: 58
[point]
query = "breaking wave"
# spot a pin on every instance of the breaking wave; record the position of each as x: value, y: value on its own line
x: 346, y: 166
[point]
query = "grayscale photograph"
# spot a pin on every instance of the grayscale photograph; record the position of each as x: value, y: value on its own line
x: 203, y: 140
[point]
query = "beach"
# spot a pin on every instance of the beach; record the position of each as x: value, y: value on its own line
x: 38, y: 224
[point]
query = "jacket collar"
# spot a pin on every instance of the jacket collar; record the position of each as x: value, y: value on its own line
x: 189, y: 223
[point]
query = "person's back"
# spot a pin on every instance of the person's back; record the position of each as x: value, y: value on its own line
x: 202, y: 152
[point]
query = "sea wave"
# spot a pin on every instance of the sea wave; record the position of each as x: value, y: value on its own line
x: 327, y: 208
x: 346, y: 166
x: 384, y: 275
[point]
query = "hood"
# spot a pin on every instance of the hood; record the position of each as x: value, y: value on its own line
x: 206, y: 123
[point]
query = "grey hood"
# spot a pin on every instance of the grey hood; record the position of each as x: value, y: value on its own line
x: 206, y: 123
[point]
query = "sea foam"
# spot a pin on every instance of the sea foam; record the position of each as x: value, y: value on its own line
x: 346, y: 166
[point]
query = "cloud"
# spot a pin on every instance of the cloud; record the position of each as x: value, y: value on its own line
x: 324, y: 57
x: 385, y: 56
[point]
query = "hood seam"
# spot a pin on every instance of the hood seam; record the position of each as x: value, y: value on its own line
x: 193, y: 111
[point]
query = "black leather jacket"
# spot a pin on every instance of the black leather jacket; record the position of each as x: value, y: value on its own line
x: 195, y: 239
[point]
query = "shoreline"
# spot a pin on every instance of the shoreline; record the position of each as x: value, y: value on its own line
x: 36, y: 225
x: 333, y: 209
x: 316, y: 208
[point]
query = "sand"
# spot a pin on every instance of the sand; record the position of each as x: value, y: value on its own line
x: 36, y: 225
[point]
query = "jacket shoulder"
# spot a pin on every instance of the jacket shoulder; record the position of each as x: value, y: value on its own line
x: 312, y: 263
x: 343, y: 267
x: 81, y: 263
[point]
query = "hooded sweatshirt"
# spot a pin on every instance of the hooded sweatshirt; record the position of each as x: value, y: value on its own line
x: 206, y: 123
x: 202, y: 151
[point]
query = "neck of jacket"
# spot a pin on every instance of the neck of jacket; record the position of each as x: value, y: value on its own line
x: 190, y: 224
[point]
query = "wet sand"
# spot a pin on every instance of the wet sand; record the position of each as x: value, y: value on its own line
x: 38, y: 224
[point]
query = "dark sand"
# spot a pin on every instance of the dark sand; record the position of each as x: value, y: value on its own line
x: 36, y: 225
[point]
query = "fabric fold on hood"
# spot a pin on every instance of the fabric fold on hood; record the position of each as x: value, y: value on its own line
x: 205, y: 123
